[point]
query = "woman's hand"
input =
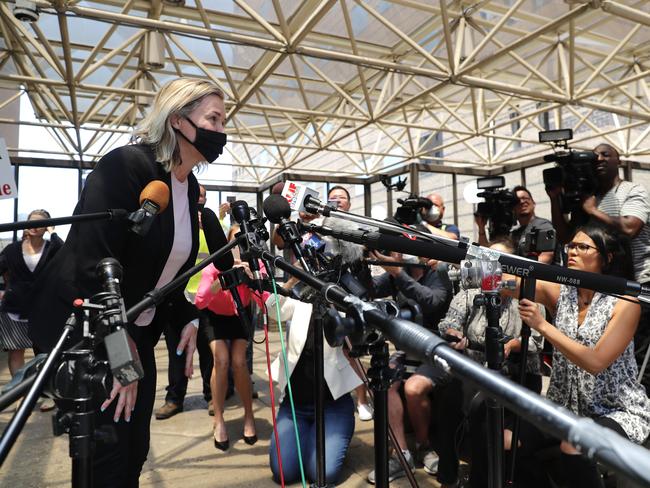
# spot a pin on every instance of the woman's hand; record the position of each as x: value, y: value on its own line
x: 126, y: 401
x: 462, y: 344
x: 510, y: 346
x: 187, y: 343
x: 530, y: 314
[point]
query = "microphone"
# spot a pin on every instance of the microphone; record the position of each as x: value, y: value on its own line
x: 122, y: 352
x: 298, y: 195
x: 242, y: 215
x: 450, y: 271
x: 277, y: 210
x: 154, y: 199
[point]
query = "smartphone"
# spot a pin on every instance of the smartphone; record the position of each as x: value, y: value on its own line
x: 231, y: 199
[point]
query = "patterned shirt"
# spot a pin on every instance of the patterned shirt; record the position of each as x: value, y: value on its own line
x: 613, y: 392
x: 631, y: 199
x: 472, y: 322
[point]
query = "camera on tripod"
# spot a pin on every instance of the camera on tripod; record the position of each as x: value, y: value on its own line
x: 409, y: 211
x: 574, y: 171
x: 498, y: 207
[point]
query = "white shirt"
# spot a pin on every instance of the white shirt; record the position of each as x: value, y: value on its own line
x: 31, y: 260
x: 181, y: 246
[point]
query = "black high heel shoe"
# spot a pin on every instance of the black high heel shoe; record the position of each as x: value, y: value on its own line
x: 250, y: 439
x: 221, y: 445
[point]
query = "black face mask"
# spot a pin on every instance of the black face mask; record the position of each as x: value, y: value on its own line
x: 200, y: 206
x: 209, y: 143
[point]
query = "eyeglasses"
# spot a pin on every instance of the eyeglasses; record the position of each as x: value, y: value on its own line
x: 580, y: 246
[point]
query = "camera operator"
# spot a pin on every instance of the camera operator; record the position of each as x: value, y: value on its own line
x: 525, y: 213
x: 433, y: 218
x: 432, y: 292
x: 625, y: 207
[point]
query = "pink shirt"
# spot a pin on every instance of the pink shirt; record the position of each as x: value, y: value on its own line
x: 222, y: 302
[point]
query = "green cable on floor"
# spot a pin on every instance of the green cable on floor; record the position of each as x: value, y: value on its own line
x: 286, y: 374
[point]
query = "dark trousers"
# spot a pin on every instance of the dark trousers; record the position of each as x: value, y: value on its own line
x: 448, y: 410
x: 177, y: 381
x: 576, y: 471
x: 478, y: 432
x: 118, y: 465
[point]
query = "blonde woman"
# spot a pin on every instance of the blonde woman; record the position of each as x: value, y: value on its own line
x: 184, y: 129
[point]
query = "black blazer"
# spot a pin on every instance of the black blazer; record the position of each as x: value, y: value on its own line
x: 20, y: 280
x: 116, y: 182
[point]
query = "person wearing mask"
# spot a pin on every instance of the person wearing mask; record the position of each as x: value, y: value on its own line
x: 433, y: 218
x: 183, y: 129
x: 20, y: 264
x: 625, y: 207
x: 177, y: 386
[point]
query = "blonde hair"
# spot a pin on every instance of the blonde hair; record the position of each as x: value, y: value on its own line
x: 39, y: 211
x: 177, y: 97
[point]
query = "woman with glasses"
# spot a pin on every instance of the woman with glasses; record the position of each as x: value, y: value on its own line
x: 594, y: 371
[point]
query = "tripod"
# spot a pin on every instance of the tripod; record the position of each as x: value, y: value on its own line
x: 75, y: 376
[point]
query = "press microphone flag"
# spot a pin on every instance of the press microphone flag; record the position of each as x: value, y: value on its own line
x: 154, y: 199
x: 297, y: 194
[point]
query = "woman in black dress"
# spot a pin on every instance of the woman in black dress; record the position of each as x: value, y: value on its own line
x: 20, y: 264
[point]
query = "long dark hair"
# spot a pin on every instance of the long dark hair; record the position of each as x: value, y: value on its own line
x: 615, y: 250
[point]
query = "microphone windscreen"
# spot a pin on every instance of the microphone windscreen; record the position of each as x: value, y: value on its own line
x: 158, y: 192
x: 349, y: 251
x: 276, y: 208
x: 240, y: 211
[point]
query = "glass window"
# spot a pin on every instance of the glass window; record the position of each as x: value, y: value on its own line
x: 466, y: 209
x: 6, y: 215
x: 53, y: 189
x: 378, y: 200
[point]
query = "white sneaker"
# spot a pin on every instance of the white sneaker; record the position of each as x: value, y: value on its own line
x: 365, y: 411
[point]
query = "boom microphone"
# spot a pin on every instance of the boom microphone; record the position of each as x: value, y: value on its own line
x: 277, y: 210
x: 154, y: 199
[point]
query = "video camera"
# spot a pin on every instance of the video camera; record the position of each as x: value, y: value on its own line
x: 499, y: 205
x: 409, y: 211
x: 574, y: 171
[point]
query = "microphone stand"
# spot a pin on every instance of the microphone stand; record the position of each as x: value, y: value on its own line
x: 319, y: 313
x: 78, y: 377
x: 595, y: 441
x: 526, y: 291
x: 112, y: 214
x: 154, y: 297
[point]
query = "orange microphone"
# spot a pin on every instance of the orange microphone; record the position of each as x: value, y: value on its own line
x: 154, y: 199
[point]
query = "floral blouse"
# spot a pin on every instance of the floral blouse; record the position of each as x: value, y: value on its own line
x: 612, y: 393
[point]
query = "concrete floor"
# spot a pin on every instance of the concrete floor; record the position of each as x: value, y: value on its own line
x: 182, y: 452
